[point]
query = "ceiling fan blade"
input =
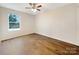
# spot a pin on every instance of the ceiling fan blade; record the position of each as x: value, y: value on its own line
x: 28, y: 7
x: 39, y: 6
x: 38, y: 9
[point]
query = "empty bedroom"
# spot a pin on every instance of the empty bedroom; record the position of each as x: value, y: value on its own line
x: 39, y: 29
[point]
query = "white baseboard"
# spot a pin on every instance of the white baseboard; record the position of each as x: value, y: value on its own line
x: 2, y: 39
x: 59, y: 39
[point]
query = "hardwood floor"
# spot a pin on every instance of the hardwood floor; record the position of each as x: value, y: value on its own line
x: 35, y: 44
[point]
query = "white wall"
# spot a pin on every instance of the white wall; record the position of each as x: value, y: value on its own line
x: 27, y: 24
x: 59, y: 24
x: 0, y: 24
x: 77, y: 24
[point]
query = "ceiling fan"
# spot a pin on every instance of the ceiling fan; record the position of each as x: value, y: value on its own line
x: 34, y: 7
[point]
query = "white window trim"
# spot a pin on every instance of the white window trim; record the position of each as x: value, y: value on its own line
x: 14, y: 28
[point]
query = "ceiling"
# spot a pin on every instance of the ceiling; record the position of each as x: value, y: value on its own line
x: 21, y: 7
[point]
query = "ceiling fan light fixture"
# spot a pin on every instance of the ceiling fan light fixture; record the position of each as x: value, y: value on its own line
x: 34, y: 10
x: 34, y: 7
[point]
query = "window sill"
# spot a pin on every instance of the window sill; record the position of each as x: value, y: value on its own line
x: 13, y: 29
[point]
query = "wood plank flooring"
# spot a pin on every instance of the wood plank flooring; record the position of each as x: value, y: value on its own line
x: 35, y: 44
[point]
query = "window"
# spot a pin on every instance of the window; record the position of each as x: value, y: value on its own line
x: 14, y: 22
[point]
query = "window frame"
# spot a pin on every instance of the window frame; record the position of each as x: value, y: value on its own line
x: 14, y: 29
